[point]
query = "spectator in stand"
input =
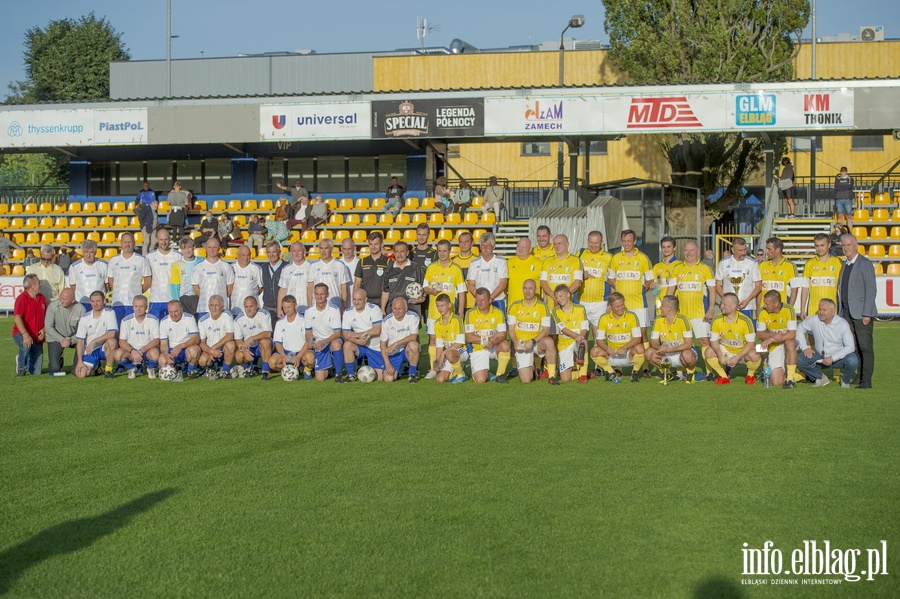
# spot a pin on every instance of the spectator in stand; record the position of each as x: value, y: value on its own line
x: 786, y: 185
x: 145, y: 195
x: 282, y: 209
x: 209, y: 227
x: 443, y: 197
x: 6, y: 246
x: 179, y: 204
x: 318, y: 214
x: 494, y: 195
x: 276, y: 230
x: 462, y: 199
x: 28, y: 331
x: 226, y: 229
x: 257, y: 231
x: 394, y: 197
x: 297, y: 192
x: 300, y: 214
x: 64, y: 258
x: 148, y: 220
x: 843, y: 198
x: 709, y: 259
x: 30, y: 258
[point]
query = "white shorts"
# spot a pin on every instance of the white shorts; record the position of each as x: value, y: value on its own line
x: 429, y: 325
x: 700, y: 328
x: 567, y: 357
x: 621, y: 362
x: 463, y: 358
x: 594, y: 311
x: 641, y: 314
x: 481, y: 359
x: 776, y: 357
x: 729, y: 355
x: 675, y: 358
x: 525, y: 359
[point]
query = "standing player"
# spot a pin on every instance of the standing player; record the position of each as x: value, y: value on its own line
x: 777, y: 329
x: 572, y: 324
x: 619, y: 343
x: 732, y: 339
x: 253, y: 338
x: 662, y: 270
x: 672, y: 338
x: 450, y: 338
x: 323, y: 336
x: 820, y: 277
x: 371, y: 270
x: 442, y: 277
x: 422, y: 253
x: 779, y: 274
x: 96, y: 336
x: 399, y: 345
x: 247, y: 280
x: 179, y: 340
x: 362, y: 335
x: 271, y: 278
x: 522, y: 267
x: 217, y: 345
x: 400, y: 275
x: 139, y: 340
x: 529, y: 333
x: 463, y: 258
x: 212, y: 277
x: 180, y: 278
x: 544, y: 248
x: 595, y: 265
x: 693, y: 284
x: 489, y: 272
x: 295, y: 279
x: 486, y: 336
x: 160, y: 261
x: 348, y: 258
x: 290, y: 339
x: 128, y: 276
x: 739, y: 275
x: 562, y: 268
x: 88, y: 274
x: 630, y: 274
x: 331, y: 273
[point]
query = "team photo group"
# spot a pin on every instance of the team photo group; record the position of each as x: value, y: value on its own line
x: 544, y: 313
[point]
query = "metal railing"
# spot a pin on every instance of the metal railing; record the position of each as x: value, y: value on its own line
x: 817, y: 200
x: 38, y: 195
x: 523, y: 198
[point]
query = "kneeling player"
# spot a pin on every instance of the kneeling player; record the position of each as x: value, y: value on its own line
x: 529, y: 332
x: 486, y: 335
x: 732, y: 340
x: 672, y: 340
x: 362, y: 335
x: 96, y: 335
x: 619, y: 343
x: 450, y: 342
x: 179, y: 340
x: 323, y: 336
x: 572, y: 324
x: 777, y: 329
x: 399, y: 342
x: 290, y: 339
x: 139, y: 339
x: 217, y: 345
x: 253, y: 337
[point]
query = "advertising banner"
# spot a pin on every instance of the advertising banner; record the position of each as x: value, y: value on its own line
x: 462, y: 117
x: 10, y: 288
x: 544, y: 116
x: 79, y: 127
x: 665, y: 113
x: 300, y: 122
x: 813, y: 109
x: 887, y: 298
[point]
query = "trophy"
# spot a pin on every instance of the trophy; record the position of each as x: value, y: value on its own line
x: 665, y: 365
x: 737, y: 279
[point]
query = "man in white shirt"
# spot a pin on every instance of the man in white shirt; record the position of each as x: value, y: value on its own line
x: 399, y: 342
x: 161, y: 260
x: 211, y: 277
x: 96, y: 337
x: 833, y: 345
x: 740, y: 275
x: 295, y: 279
x: 290, y: 339
x: 348, y: 258
x: 139, y: 340
x: 88, y: 274
x: 247, y: 280
x: 217, y: 345
x: 362, y: 330
x: 331, y: 273
x: 129, y: 275
x: 493, y: 197
x: 179, y: 340
x: 489, y: 271
x: 253, y: 337
x: 323, y: 336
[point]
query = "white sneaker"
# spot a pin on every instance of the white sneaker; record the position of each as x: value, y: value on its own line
x: 431, y: 374
x: 822, y: 381
x: 151, y: 373
x: 845, y: 385
x: 132, y: 373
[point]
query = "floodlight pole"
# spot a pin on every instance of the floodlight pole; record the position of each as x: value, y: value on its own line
x: 574, y: 23
x: 168, y: 48
x: 812, y: 150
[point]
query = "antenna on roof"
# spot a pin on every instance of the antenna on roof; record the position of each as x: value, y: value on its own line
x: 422, y: 29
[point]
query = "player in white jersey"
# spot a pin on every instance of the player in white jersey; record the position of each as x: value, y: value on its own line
x: 88, y: 274
x: 96, y: 338
x: 290, y: 339
x: 348, y: 258
x: 399, y: 342
x: 247, y: 280
x: 362, y: 327
x: 128, y: 276
x: 740, y: 275
x: 212, y: 277
x: 295, y: 279
x: 253, y: 336
x: 139, y: 340
x: 489, y: 271
x: 161, y: 260
x: 217, y: 345
x: 179, y: 339
x: 323, y: 336
x: 332, y: 273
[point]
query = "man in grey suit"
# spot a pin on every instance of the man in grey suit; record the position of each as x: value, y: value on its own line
x: 856, y: 299
x: 271, y: 276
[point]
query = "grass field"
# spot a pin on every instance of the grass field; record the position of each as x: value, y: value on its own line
x: 243, y: 488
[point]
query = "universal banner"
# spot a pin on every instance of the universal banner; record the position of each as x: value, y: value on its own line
x: 462, y: 117
x: 887, y: 297
x: 78, y: 127
x: 302, y: 122
x: 544, y: 116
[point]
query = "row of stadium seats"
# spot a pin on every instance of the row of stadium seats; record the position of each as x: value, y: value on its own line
x: 877, y: 251
x: 882, y: 198
x: 879, y: 215
x: 892, y: 270
x: 876, y: 232
x: 404, y: 219
x: 64, y: 222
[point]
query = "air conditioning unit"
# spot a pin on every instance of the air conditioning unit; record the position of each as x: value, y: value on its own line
x: 871, y: 34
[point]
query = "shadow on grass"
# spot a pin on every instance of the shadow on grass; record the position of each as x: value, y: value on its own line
x: 718, y: 587
x: 71, y: 536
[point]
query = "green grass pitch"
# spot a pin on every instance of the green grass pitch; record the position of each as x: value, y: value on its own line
x: 249, y: 489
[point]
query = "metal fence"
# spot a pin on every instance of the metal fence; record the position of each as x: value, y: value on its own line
x: 34, y: 195
x: 816, y: 200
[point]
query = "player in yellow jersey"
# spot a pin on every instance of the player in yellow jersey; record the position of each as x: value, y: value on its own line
x: 778, y: 274
x: 486, y: 336
x: 450, y: 337
x: 777, y: 330
x: 560, y: 269
x: 820, y: 277
x: 595, y: 265
x: 672, y: 340
x: 619, y: 343
x: 463, y: 257
x: 442, y: 276
x: 544, y: 248
x: 630, y: 274
x: 572, y: 324
x: 662, y: 270
x: 529, y: 333
x: 732, y: 339
x: 694, y: 284
x: 520, y: 268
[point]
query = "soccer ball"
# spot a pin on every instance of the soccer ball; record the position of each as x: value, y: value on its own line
x: 290, y: 373
x: 168, y: 373
x: 366, y: 374
x: 414, y: 291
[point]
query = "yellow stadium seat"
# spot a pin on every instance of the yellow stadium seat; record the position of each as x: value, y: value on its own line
x: 352, y: 220
x: 18, y: 238
x: 882, y: 198
x: 862, y: 250
x: 895, y: 216
x: 362, y: 204
x: 860, y: 232
x: 77, y: 221
x: 427, y: 204
x: 17, y: 223
x: 393, y: 236
x: 477, y: 233
x: 163, y: 207
x: 59, y: 208
x: 294, y: 237
x: 119, y: 207
x: 309, y: 236
x: 121, y: 222
x: 893, y: 269
x: 335, y: 220
x: 878, y: 233
x: 359, y: 236
x: 435, y: 218
x: 106, y: 222
x: 200, y: 251
x: 876, y: 251
x: 134, y: 222
x: 453, y: 218
x: 77, y: 237
x: 477, y: 202
x: 341, y: 235
x: 61, y: 238
x: 377, y: 203
x: 879, y: 269
x: 331, y: 203
x: 445, y: 234
x: 46, y: 222
x: 326, y: 234
x: 104, y: 207
x: 139, y: 237
x: 402, y: 220
x: 419, y: 218
x: 75, y: 207
x: 18, y: 270
x: 4, y: 208
x: 365, y: 252
x: 409, y: 235
x: 18, y: 255
x: 240, y: 220
x: 894, y: 251
x: 895, y: 232
x: 47, y: 238
x: 108, y: 237
x: 346, y: 204
x: 94, y: 236
x: 31, y: 223
x: 314, y: 253
x: 471, y: 218
x: 368, y: 220
x: 219, y: 206
x: 32, y: 239
x: 89, y: 207
x: 386, y: 220
x: 4, y: 223
x: 231, y: 253
x: 45, y: 208
x: 861, y: 216
x: 16, y: 209
x: 266, y: 205
x: 250, y: 206
x: 234, y: 206
x: 61, y: 222
x: 880, y: 215
x: 488, y: 218
x: 198, y: 206
x: 31, y: 208
x: 864, y: 196
x: 411, y: 203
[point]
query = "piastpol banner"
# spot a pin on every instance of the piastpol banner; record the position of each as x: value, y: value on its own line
x: 75, y: 127
x: 462, y: 117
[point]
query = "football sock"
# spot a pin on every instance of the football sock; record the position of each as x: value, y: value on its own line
x: 551, y: 370
x: 602, y: 364
x: 337, y: 356
x: 265, y: 367
x: 502, y: 362
x: 752, y: 367
x: 351, y: 367
x: 458, y: 369
x: 126, y: 364
x: 226, y: 368
x: 108, y: 368
x: 432, y: 356
x: 413, y: 369
x: 716, y: 366
x: 791, y: 371
x: 690, y: 371
x: 639, y: 361
x: 152, y: 364
x: 191, y: 367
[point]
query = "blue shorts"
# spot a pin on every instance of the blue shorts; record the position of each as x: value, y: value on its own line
x: 751, y: 314
x: 843, y: 206
x: 180, y: 358
x: 374, y: 357
x: 159, y: 309
x: 94, y: 358
x: 255, y: 351
x: 323, y: 358
x: 500, y: 305
x: 398, y: 359
x: 122, y: 312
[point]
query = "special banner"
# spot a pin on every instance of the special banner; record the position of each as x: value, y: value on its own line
x: 543, y: 116
x: 462, y: 117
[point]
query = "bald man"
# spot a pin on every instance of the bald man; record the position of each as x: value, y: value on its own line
x: 61, y: 324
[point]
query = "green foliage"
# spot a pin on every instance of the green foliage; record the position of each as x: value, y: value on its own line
x: 26, y: 170
x: 68, y: 61
x: 706, y: 41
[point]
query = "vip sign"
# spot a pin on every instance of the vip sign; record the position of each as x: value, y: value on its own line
x: 339, y: 120
x: 544, y: 116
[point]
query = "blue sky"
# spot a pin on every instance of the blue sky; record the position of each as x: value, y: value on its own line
x: 231, y: 27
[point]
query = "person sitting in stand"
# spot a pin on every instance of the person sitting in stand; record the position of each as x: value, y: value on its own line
x: 462, y: 199
x: 443, y: 197
x: 257, y: 230
x: 208, y: 228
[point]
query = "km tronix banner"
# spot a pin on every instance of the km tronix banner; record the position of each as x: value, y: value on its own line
x: 462, y: 117
x: 78, y: 127
x: 301, y: 122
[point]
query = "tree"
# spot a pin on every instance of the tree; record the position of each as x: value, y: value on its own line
x: 706, y: 41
